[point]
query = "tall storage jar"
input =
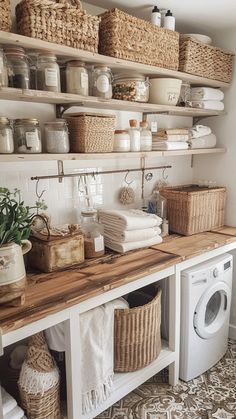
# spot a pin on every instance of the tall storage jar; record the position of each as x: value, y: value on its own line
x: 27, y: 136
x: 17, y: 68
x: 57, y: 137
x: 102, y: 82
x: 93, y: 234
x: 3, y: 69
x: 6, y: 136
x: 48, y: 73
x: 77, y: 78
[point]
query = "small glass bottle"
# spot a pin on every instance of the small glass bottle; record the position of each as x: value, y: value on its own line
x: 27, y: 136
x: 3, y: 69
x: 57, y: 137
x: 17, y: 68
x: 145, y: 137
x: 93, y: 234
x: 77, y: 78
x: 134, y: 133
x: 6, y: 136
x: 48, y: 73
x: 102, y: 82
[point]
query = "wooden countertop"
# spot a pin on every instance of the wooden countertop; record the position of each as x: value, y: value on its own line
x: 50, y: 293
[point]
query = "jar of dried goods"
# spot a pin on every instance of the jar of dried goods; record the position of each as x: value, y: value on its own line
x: 27, y: 136
x: 48, y: 73
x: 134, y: 89
x: 93, y: 234
x: 77, y: 78
x: 17, y: 68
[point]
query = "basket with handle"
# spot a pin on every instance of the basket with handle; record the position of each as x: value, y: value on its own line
x: 5, y: 14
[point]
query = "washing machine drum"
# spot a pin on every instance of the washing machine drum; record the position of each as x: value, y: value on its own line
x: 212, y: 311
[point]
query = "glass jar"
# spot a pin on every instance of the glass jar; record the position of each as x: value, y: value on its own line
x: 3, y: 69
x: 48, y: 73
x: 121, y: 141
x: 56, y: 137
x: 185, y: 95
x: 17, y: 68
x: 33, y: 59
x: 158, y: 205
x: 27, y: 136
x: 102, y: 82
x: 6, y: 136
x: 134, y: 134
x: 77, y: 78
x: 93, y: 234
x: 133, y: 89
x: 145, y: 137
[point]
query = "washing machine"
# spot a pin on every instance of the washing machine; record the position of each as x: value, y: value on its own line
x: 205, y: 309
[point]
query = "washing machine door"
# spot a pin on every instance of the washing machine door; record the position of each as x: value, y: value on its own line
x: 212, y: 310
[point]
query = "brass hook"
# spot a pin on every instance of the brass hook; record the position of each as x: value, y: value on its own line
x: 164, y: 176
x: 39, y: 195
x: 125, y: 179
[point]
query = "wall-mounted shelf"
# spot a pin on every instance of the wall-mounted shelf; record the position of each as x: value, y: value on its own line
x: 114, y: 63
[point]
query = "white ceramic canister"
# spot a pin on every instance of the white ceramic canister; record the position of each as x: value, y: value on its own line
x: 121, y: 141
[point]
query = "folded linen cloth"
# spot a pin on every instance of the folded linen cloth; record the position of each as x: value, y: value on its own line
x: 132, y: 235
x: 8, y: 403
x: 206, y: 93
x: 132, y: 219
x: 171, y: 137
x: 170, y: 145
x: 126, y: 247
x: 199, y: 131
x: 172, y: 131
x: 16, y: 413
x: 213, y: 105
x: 208, y: 141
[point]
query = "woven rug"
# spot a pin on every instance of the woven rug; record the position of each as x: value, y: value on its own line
x: 210, y: 396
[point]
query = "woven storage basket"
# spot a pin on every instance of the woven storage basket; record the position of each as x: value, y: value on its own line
x: 124, y: 36
x: 137, y: 336
x: 192, y: 209
x: 62, y: 22
x: 39, y: 381
x: 5, y: 15
x: 91, y: 133
x: 205, y: 60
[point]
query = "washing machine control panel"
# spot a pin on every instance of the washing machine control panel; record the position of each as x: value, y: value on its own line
x: 215, y: 273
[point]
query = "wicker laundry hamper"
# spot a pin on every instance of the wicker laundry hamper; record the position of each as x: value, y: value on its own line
x: 5, y: 15
x: 137, y: 335
x: 39, y: 381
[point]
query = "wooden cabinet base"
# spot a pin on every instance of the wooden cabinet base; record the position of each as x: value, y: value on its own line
x: 13, y: 294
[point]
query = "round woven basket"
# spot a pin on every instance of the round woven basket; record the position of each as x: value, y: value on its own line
x: 5, y: 13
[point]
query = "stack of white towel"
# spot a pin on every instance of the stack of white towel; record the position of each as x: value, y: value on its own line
x: 126, y: 230
x: 202, y: 137
x: 171, y: 139
x: 10, y: 408
x: 207, y: 98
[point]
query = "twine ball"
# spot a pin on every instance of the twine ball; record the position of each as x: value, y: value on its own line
x: 126, y: 195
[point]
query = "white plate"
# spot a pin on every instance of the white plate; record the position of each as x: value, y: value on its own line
x: 201, y: 38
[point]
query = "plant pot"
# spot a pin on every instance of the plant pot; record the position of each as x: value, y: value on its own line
x: 12, y: 273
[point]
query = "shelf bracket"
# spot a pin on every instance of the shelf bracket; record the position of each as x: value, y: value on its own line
x: 61, y: 108
x: 61, y: 172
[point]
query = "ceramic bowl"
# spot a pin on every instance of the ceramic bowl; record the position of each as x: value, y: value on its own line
x: 165, y: 91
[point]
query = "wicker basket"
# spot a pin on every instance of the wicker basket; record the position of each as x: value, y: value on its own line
x: 205, y: 60
x: 91, y: 133
x: 124, y: 36
x: 62, y: 22
x: 5, y: 15
x: 192, y: 209
x: 137, y: 336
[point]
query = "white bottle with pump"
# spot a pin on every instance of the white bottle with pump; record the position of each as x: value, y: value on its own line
x: 156, y: 17
x: 169, y: 21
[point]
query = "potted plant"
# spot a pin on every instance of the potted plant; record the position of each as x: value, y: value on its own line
x: 15, y: 227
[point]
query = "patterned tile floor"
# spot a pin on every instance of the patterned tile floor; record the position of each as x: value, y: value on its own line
x: 210, y: 396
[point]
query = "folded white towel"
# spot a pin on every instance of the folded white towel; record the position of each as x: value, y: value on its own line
x: 213, y: 105
x: 206, y: 93
x: 132, y: 235
x: 170, y: 137
x: 126, y: 247
x: 8, y: 403
x: 208, y: 141
x: 199, y: 131
x: 16, y: 413
x: 128, y: 219
x: 170, y: 145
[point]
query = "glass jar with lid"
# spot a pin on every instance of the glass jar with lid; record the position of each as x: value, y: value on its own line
x: 6, y: 136
x: 133, y: 89
x: 93, y: 234
x: 56, y: 137
x: 17, y: 68
x: 27, y: 136
x: 102, y: 82
x: 3, y: 69
x: 77, y: 78
x: 145, y: 137
x: 48, y: 73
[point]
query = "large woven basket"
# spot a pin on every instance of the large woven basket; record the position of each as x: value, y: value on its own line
x: 205, y: 60
x: 137, y: 336
x: 124, y: 36
x: 91, y: 133
x: 192, y: 209
x: 62, y: 22
x: 5, y: 15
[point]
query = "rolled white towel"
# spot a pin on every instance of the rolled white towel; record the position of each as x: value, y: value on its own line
x: 199, y: 131
x: 16, y: 413
x: 132, y: 235
x: 206, y: 93
x: 213, y: 105
x: 128, y: 219
x: 126, y: 247
x: 8, y: 403
x: 170, y: 145
x: 208, y: 141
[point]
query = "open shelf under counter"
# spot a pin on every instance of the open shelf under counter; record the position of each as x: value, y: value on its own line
x: 115, y: 64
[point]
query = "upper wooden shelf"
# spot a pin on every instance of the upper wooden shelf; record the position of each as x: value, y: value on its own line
x: 115, y: 64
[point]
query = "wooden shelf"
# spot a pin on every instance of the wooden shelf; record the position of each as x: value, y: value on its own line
x: 115, y: 64
x: 38, y: 96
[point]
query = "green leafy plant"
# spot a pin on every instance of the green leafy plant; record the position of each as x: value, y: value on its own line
x: 16, y: 217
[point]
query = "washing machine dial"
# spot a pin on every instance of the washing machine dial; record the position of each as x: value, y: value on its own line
x: 215, y: 273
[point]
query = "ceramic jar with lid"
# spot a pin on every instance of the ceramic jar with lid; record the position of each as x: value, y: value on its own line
x: 27, y: 136
x: 3, y: 69
x: 77, y: 78
x: 102, y: 82
x: 57, y: 137
x: 121, y: 141
x: 93, y: 234
x: 6, y: 136
x: 48, y: 73
x: 17, y: 67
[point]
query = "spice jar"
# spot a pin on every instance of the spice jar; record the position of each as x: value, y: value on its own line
x: 56, y: 137
x: 3, y: 69
x: 48, y: 73
x: 6, y: 136
x: 121, y: 141
x: 93, y: 234
x: 77, y: 78
x: 134, y: 136
x: 17, y: 68
x: 134, y: 89
x: 145, y: 137
x: 102, y: 82
x: 27, y: 136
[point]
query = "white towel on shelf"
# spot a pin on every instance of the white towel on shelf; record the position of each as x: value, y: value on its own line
x: 126, y: 247
x: 8, y: 403
x: 170, y: 137
x: 213, y: 105
x: 206, y: 93
x: 16, y: 413
x: 128, y: 219
x: 199, y: 131
x: 132, y: 235
x: 208, y: 141
x: 170, y: 145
